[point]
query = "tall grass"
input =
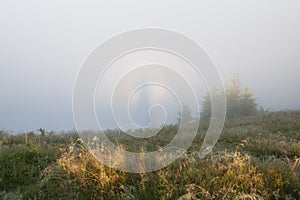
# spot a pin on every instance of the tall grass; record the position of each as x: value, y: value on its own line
x: 255, y: 158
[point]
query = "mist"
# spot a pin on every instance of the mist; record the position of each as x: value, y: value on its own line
x: 44, y: 44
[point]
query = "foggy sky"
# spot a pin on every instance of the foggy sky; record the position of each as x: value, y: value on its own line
x: 43, y: 45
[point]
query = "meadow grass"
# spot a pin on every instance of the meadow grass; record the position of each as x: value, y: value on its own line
x: 255, y: 158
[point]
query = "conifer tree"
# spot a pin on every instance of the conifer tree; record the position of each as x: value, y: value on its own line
x: 238, y: 104
x: 247, y: 103
x: 185, y: 116
x: 233, y: 97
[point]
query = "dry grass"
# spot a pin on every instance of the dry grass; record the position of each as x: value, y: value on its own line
x: 255, y: 158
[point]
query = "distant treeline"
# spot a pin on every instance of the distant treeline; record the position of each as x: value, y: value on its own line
x: 240, y: 102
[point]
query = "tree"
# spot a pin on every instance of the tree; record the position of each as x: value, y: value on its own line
x: 206, y: 107
x: 185, y: 115
x: 248, y: 106
x: 206, y: 103
x: 238, y: 104
x: 233, y: 97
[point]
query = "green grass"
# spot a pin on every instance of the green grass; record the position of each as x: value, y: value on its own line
x: 255, y: 158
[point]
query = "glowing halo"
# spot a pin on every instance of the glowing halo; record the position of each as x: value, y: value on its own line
x: 99, y: 61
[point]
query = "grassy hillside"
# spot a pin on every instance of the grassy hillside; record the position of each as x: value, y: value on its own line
x: 255, y: 158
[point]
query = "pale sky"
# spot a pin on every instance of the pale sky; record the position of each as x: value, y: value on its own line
x: 44, y: 43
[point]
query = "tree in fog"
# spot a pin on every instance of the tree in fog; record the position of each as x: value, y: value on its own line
x: 248, y: 106
x: 233, y: 97
x: 238, y: 103
x: 206, y: 107
x: 206, y: 103
x: 185, y: 115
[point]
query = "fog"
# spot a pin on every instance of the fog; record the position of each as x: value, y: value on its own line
x: 43, y: 45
